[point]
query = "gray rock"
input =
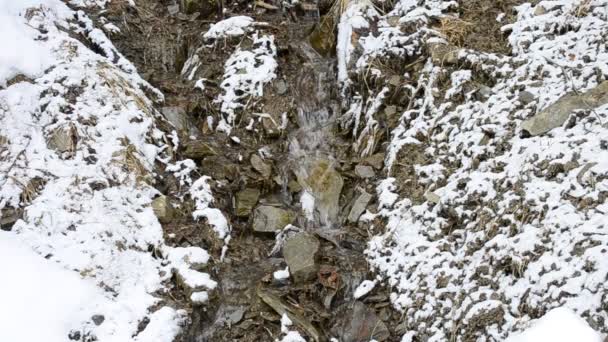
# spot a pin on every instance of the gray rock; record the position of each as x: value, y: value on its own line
x: 260, y: 166
x: 269, y: 219
x: 432, y: 197
x: 173, y: 9
x: 163, y: 209
x: 361, y: 324
x: 270, y: 127
x: 204, y: 7
x: 300, y: 251
x: 281, y: 87
x: 245, y: 200
x: 359, y: 206
x: 525, y: 97
x: 198, y: 150
x: 364, y: 171
x: 177, y: 117
x: 556, y: 114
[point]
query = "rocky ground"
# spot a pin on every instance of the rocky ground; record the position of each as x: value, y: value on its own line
x: 290, y: 171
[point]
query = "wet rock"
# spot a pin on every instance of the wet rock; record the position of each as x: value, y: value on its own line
x: 260, y: 166
x: 245, y: 201
x: 98, y: 319
x: 326, y: 184
x: 198, y: 150
x: 376, y: 161
x: 323, y: 38
x: 8, y: 217
x: 204, y: 7
x: 300, y: 251
x: 177, y: 117
x: 269, y: 219
x: 359, y: 206
x: 364, y: 171
x: 283, y: 308
x: 163, y: 209
x: 62, y: 139
x: 556, y: 114
x: 361, y: 324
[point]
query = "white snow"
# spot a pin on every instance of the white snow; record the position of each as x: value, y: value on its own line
x: 558, y: 325
x: 231, y: 27
x: 364, y: 288
x: 281, y: 274
x: 78, y: 145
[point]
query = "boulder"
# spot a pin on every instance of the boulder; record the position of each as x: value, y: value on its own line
x: 326, y: 185
x: 270, y: 219
x: 245, y: 201
x: 556, y: 114
x: 300, y: 251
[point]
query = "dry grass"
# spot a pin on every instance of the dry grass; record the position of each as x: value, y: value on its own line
x: 455, y: 30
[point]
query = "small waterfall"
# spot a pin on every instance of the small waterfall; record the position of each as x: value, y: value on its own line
x: 309, y: 147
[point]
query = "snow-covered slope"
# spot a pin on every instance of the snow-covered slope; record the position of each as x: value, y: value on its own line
x: 496, y: 223
x: 79, y: 143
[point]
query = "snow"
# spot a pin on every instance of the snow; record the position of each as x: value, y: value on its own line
x: 27, y: 282
x: 246, y: 73
x: 519, y: 228
x: 231, y: 27
x: 558, y: 325
x: 79, y: 144
x: 201, y: 193
x: 289, y: 335
x: 281, y: 274
x: 364, y: 288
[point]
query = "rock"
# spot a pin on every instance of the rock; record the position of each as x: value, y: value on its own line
x: 323, y: 38
x: 394, y: 80
x: 361, y: 324
x: 359, y: 206
x: 283, y: 308
x: 525, y: 97
x: 300, y: 251
x: 432, y: 197
x: 98, y: 319
x: 390, y: 110
x: 375, y: 160
x: 539, y: 10
x: 220, y: 167
x: 198, y: 150
x: 204, y: 7
x: 173, y: 10
x: 163, y: 209
x: 62, y: 139
x: 326, y: 185
x: 294, y: 186
x: 8, y: 217
x: 364, y: 171
x: 177, y: 117
x: 280, y: 87
x: 443, y: 54
x: 260, y: 166
x: 245, y: 201
x: 556, y: 114
x: 271, y: 128
x: 269, y: 219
